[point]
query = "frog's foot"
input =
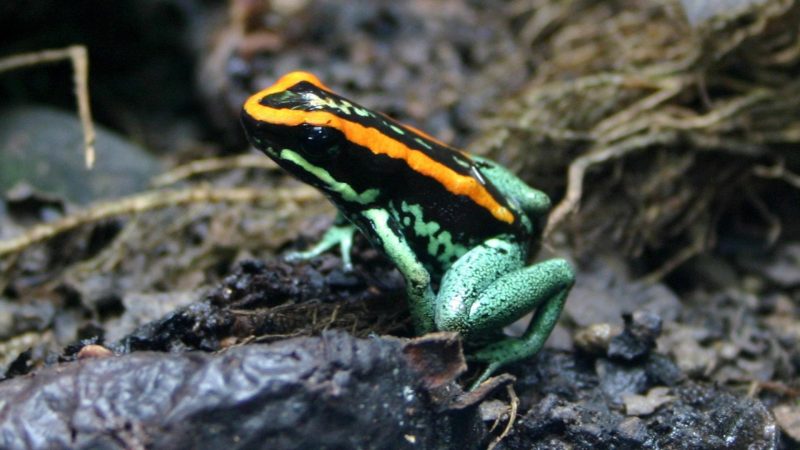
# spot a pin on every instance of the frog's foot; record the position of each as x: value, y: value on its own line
x: 490, y: 369
x: 338, y: 234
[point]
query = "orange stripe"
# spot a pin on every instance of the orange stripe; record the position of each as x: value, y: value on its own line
x: 375, y: 141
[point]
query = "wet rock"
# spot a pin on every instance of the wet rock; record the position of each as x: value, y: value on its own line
x: 663, y: 371
x: 18, y: 318
x: 139, y: 309
x: 556, y: 423
x: 121, y: 167
x: 333, y: 392
x: 618, y: 380
x: 638, y: 337
x: 199, y: 326
x: 632, y: 431
x: 711, y: 417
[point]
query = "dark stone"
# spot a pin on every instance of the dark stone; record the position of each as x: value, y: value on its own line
x: 120, y: 169
x: 638, y: 337
x: 199, y: 326
x: 341, y: 279
x: 618, y: 379
x: 333, y: 391
x: 663, y: 371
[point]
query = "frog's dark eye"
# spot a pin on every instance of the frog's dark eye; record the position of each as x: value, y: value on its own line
x: 320, y: 143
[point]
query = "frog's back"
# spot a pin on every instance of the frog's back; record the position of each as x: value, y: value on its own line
x: 439, y: 200
x: 441, y: 226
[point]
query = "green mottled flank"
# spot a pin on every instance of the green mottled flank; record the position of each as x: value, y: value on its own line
x: 485, y: 287
x: 421, y: 298
x: 440, y: 245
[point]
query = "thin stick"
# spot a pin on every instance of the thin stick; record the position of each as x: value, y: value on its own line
x: 80, y: 66
x: 778, y: 171
x: 676, y: 260
x: 202, y: 166
x: 148, y: 201
x: 512, y: 416
x: 577, y: 171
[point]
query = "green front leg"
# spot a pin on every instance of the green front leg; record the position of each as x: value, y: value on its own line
x: 421, y: 298
x: 341, y: 234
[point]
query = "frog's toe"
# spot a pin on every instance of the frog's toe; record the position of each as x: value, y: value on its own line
x: 297, y: 256
x: 488, y: 372
x: 480, y: 357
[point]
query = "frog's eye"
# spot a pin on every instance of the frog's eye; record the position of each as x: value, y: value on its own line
x: 320, y: 143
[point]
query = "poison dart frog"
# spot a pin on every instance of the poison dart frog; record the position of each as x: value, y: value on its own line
x: 458, y: 227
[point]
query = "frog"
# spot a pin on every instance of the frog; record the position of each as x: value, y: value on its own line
x: 459, y: 227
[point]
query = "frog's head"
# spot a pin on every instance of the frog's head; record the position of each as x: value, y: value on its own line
x: 296, y: 123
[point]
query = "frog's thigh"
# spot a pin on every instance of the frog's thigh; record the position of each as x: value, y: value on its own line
x: 469, y: 276
x: 418, y: 281
x: 541, y: 286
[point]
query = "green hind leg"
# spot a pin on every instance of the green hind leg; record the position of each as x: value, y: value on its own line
x: 543, y: 286
x: 489, y: 288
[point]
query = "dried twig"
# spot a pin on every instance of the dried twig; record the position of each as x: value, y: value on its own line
x: 778, y: 171
x: 577, y: 171
x: 148, y: 201
x: 686, y: 253
x: 512, y: 416
x: 80, y: 66
x: 202, y: 166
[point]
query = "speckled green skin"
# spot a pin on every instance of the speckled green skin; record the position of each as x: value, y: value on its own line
x: 434, y: 237
x: 484, y: 290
